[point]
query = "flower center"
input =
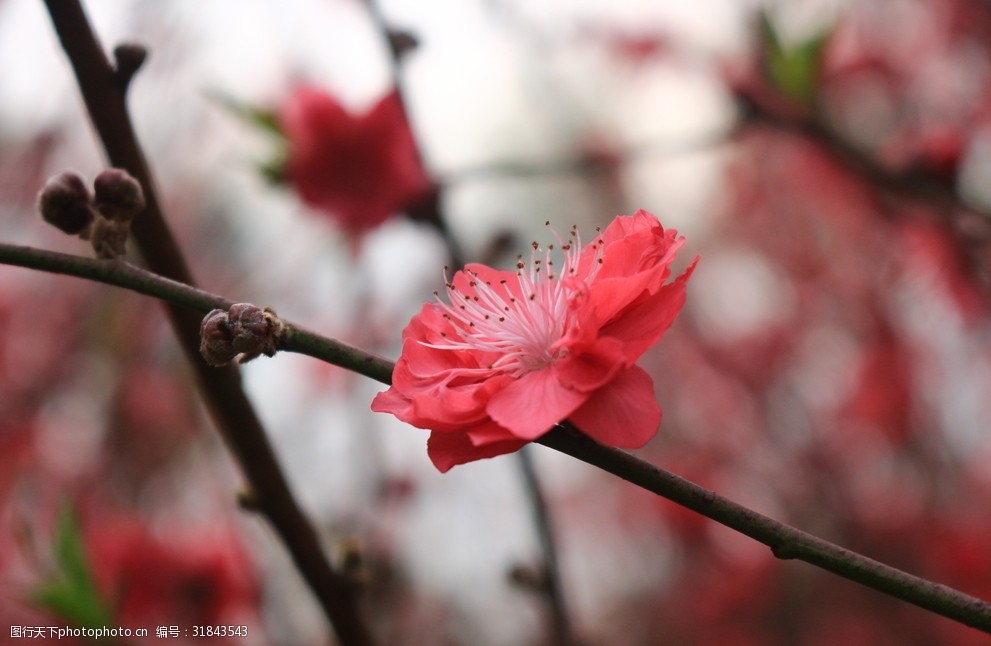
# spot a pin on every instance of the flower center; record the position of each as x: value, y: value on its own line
x: 527, y: 320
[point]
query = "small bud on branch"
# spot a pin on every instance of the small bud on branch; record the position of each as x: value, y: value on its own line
x: 104, y: 217
x: 216, y: 341
x: 118, y: 195
x: 244, y: 329
x: 128, y: 59
x: 66, y: 203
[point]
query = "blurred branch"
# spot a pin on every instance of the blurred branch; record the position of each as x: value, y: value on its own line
x: 805, y: 123
x: 399, y: 43
x: 762, y: 107
x: 786, y: 542
x: 591, y: 164
x: 104, y: 87
x: 552, y: 585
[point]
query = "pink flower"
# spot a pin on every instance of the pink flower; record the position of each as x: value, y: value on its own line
x: 515, y: 353
x: 359, y: 169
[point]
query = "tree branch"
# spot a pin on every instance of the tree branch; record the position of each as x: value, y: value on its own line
x: 785, y: 541
x: 103, y: 87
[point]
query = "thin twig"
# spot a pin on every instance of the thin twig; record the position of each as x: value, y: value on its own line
x: 552, y: 584
x: 786, y: 542
x: 103, y: 86
x: 591, y: 165
x: 427, y: 210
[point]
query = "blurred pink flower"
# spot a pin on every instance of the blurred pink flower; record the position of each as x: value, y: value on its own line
x: 358, y: 168
x: 515, y: 353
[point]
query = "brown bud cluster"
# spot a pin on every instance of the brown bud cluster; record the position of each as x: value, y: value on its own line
x: 104, y: 218
x: 244, y: 329
x: 66, y: 204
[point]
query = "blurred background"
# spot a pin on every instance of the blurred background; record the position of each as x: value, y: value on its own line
x: 829, y: 162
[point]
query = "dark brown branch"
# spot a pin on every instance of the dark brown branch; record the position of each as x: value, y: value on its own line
x: 786, y: 542
x: 103, y: 87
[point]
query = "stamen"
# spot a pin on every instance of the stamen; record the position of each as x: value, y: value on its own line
x: 525, y: 332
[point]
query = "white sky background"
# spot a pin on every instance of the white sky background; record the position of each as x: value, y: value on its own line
x: 492, y: 81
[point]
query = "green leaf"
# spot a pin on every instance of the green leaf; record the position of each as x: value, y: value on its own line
x: 70, y: 592
x: 272, y: 170
x: 793, y: 69
x: 264, y: 120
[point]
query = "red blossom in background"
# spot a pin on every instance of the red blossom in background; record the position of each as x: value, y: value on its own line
x: 183, y: 578
x: 515, y: 353
x: 358, y: 168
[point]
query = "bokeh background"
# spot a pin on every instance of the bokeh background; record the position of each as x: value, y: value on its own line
x: 829, y: 162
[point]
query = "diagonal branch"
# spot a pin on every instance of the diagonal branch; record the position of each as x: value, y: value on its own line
x: 785, y: 541
x: 103, y: 86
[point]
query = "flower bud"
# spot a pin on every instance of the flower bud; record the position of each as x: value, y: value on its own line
x: 216, y: 343
x: 250, y: 328
x: 254, y: 330
x: 118, y: 195
x: 66, y: 204
x: 128, y: 58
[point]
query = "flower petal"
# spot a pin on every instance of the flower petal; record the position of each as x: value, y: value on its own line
x: 593, y: 367
x: 623, y: 413
x: 532, y: 404
x: 641, y: 324
x: 448, y: 450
